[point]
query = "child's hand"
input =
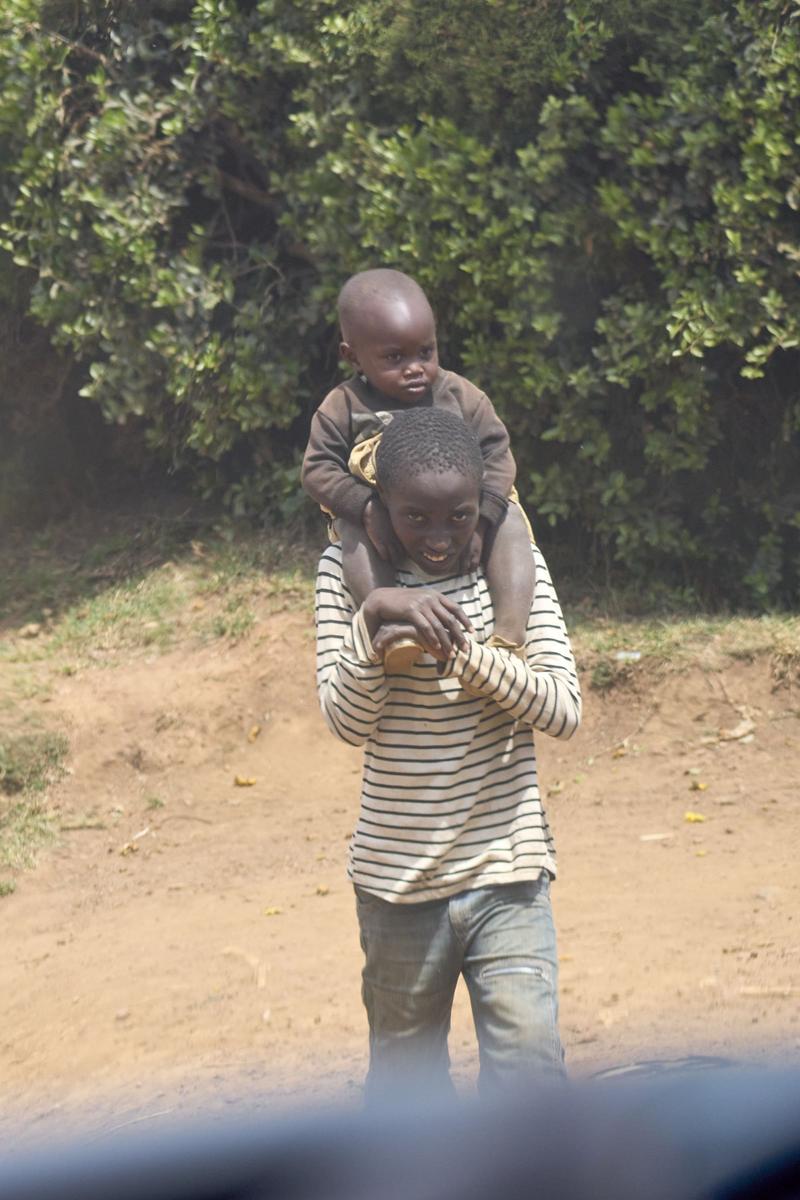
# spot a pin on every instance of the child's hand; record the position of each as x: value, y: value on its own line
x: 391, y: 632
x: 473, y: 553
x: 379, y: 530
x: 439, y: 623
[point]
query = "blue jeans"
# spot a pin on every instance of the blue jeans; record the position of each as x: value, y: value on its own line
x: 503, y: 941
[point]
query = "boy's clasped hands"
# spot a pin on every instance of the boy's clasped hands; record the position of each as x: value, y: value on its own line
x: 433, y: 619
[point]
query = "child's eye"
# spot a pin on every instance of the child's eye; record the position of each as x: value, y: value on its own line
x: 426, y: 352
x: 459, y: 518
x: 393, y: 357
x: 414, y: 518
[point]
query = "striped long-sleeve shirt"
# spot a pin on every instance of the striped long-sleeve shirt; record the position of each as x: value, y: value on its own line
x: 450, y: 798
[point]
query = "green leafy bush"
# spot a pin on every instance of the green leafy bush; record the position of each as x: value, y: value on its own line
x: 601, y: 200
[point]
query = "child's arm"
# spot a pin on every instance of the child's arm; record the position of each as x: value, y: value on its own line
x: 499, y: 468
x: 501, y: 540
x: 364, y: 524
x: 325, y: 474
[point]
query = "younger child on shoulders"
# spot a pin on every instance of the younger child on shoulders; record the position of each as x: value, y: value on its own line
x: 389, y: 336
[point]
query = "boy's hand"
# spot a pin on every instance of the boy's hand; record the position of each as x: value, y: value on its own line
x: 473, y: 553
x: 379, y: 530
x: 438, y: 622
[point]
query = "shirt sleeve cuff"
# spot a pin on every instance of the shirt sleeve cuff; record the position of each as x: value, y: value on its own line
x: 493, y: 506
x: 489, y: 670
x: 362, y: 642
x: 351, y: 501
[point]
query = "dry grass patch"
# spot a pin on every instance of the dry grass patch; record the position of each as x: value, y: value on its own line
x: 611, y: 652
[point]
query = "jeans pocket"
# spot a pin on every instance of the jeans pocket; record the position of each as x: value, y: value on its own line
x: 526, y: 890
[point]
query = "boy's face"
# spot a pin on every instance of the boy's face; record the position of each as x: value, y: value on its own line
x: 434, y: 515
x: 394, y: 345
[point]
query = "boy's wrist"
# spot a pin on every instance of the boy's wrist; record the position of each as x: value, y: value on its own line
x: 371, y: 612
x: 369, y: 616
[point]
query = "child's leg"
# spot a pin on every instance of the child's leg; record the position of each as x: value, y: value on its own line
x: 364, y: 569
x: 510, y: 574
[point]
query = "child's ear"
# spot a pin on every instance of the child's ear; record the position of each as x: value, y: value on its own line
x: 347, y: 352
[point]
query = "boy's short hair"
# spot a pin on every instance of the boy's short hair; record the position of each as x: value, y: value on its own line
x: 426, y: 439
x: 361, y: 292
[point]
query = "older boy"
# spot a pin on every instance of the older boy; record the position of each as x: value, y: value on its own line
x: 452, y: 856
x: 389, y: 337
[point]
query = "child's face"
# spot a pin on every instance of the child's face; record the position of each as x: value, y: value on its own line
x: 434, y: 515
x: 394, y: 346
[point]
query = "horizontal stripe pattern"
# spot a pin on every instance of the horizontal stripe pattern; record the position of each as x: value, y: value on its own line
x: 449, y: 795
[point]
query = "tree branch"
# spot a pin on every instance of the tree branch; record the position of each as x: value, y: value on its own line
x: 65, y: 41
x: 248, y: 191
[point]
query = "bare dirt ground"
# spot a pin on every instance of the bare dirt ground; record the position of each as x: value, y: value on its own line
x: 188, y: 942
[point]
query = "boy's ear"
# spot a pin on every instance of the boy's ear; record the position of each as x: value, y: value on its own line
x: 347, y: 352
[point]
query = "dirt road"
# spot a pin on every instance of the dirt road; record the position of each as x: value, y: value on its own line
x: 189, y: 940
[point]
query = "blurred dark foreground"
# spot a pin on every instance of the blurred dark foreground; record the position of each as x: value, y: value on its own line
x: 709, y: 1135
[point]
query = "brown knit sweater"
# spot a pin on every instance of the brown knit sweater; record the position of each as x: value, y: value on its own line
x: 350, y: 413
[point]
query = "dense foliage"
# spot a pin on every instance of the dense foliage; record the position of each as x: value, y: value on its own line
x: 601, y: 199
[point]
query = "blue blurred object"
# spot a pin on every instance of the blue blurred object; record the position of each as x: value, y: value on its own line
x: 710, y: 1134
x: 660, y: 1066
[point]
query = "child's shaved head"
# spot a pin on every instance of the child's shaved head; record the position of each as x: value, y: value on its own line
x: 370, y: 294
x: 389, y: 334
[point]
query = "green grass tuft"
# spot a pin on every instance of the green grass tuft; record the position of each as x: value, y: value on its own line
x: 235, y: 619
x: 28, y: 761
x: 25, y: 825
